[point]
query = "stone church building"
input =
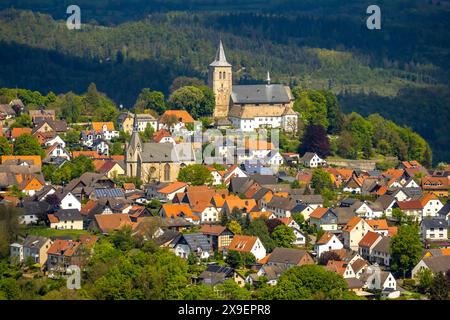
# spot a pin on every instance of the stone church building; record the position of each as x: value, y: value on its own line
x: 152, y: 162
x: 249, y: 107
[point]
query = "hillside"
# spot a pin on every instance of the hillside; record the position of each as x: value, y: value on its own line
x: 321, y: 44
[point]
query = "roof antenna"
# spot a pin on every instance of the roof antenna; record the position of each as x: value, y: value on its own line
x: 268, y: 78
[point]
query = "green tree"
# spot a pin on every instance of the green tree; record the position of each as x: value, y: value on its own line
x: 9, y: 228
x: 321, y: 180
x: 5, y: 147
x: 28, y: 145
x: 308, y: 282
x: 425, y: 278
x: 234, y: 227
x: 149, y: 99
x: 232, y: 291
x: 406, y: 249
x: 195, y: 174
x: 259, y: 229
x: 440, y: 286
x: 234, y: 259
x: 283, y: 236
x: 22, y: 121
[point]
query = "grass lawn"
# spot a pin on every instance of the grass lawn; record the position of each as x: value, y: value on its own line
x: 47, y: 232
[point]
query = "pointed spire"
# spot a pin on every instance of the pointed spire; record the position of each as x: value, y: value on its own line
x: 268, y: 78
x: 220, y: 59
x: 135, y: 123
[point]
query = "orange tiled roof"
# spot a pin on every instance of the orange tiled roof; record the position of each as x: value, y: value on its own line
x: 174, y: 186
x: 213, y: 229
x: 17, y: 132
x: 318, y: 213
x: 235, y: 202
x: 380, y: 224
x: 394, y: 173
x: 258, y: 145
x: 178, y: 210
x: 111, y: 222
x: 410, y: 205
x: 265, y: 259
x: 352, y: 223
x: 90, y: 154
x: 392, y: 231
x: 337, y: 266
x: 180, y: 114
x: 98, y: 126
x: 369, y: 239
x: 260, y: 214
x: 242, y: 243
x: 64, y: 247
x: 325, y: 238
x: 35, y: 159
x: 161, y: 134
x: 428, y: 197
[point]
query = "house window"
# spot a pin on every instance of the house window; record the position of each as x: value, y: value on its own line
x: 167, y: 172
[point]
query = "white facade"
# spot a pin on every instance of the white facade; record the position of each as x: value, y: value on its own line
x: 258, y: 250
x: 286, y: 122
x: 57, y: 140
x: 210, y: 214
x: 67, y: 225
x: 315, y: 162
x: 432, y: 207
x: 70, y: 202
x: 333, y: 244
x: 59, y: 152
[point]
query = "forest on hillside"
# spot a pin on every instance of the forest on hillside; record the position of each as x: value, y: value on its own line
x: 129, y: 45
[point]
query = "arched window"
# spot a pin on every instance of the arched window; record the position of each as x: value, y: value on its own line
x: 223, y: 76
x: 167, y: 172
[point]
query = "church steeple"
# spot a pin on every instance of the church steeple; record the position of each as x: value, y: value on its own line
x: 220, y: 59
x: 220, y: 80
x: 135, y: 123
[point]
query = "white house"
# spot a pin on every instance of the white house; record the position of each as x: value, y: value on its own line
x: 431, y: 205
x: 167, y: 193
x: 208, y: 213
x: 375, y: 279
x: 249, y: 244
x: 56, y: 140
x: 69, y: 201
x: 312, y: 160
x: 434, y: 229
x: 194, y: 243
x: 274, y: 158
x: 66, y: 219
x: 57, y: 151
x: 101, y: 147
x: 327, y: 242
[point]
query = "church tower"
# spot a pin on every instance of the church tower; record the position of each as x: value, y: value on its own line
x: 133, y: 151
x: 220, y: 80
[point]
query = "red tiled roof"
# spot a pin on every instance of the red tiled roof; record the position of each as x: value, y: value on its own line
x: 369, y: 239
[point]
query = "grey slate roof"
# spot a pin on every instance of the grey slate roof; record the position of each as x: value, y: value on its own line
x: 166, y: 152
x: 438, y: 264
x: 286, y: 256
x: 215, y: 274
x: 385, y: 201
x: 383, y: 245
x: 68, y: 214
x: 34, y: 241
x: 344, y: 214
x: 220, y: 60
x: 274, y: 93
x: 445, y: 210
x: 429, y: 223
x: 264, y: 179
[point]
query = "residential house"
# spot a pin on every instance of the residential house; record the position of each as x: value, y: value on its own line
x: 34, y: 248
x: 219, y: 236
x: 375, y: 279
x: 379, y: 226
x: 284, y: 207
x: 324, y: 218
x: 249, y: 244
x: 342, y: 268
x: 168, y: 192
x: 354, y: 231
x: 381, y: 252
x: 436, y: 185
x: 434, y: 229
x: 312, y: 160
x: 106, y: 129
x: 107, y: 223
x: 66, y: 219
x: 179, y: 210
x: 326, y: 243
x: 367, y: 244
x: 287, y: 257
x: 215, y: 274
x: 431, y: 205
x: 175, y: 120
x: 193, y: 243
x: 300, y: 237
x: 55, y: 140
x: 435, y: 264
